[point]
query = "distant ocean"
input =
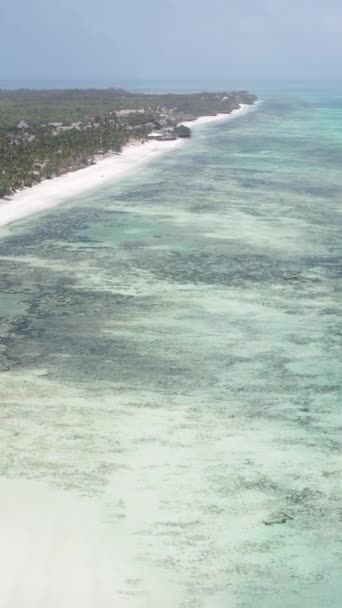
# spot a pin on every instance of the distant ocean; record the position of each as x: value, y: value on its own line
x: 267, y: 87
x: 171, y: 385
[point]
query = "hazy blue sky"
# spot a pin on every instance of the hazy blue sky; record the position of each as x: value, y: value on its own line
x: 171, y: 38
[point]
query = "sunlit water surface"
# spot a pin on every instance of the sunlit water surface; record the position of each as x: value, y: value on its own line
x: 171, y: 378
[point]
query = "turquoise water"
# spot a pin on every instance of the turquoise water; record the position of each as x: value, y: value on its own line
x: 158, y: 363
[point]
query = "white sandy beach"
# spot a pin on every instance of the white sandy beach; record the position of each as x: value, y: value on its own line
x: 203, y: 120
x: 51, y: 193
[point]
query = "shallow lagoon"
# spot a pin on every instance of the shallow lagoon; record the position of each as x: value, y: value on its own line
x: 165, y: 390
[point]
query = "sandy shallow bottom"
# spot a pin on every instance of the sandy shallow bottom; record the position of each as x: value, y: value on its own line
x: 165, y: 391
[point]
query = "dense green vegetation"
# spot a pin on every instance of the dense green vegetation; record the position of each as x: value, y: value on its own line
x: 87, y: 123
x: 36, y: 107
x: 25, y: 162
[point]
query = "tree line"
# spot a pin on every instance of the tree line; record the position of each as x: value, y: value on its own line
x: 39, y: 154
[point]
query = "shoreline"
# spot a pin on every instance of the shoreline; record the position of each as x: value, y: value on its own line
x: 203, y: 120
x: 50, y: 193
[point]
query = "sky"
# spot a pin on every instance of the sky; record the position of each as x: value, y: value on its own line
x: 170, y: 39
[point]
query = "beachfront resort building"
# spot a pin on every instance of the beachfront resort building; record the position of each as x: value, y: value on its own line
x: 22, y: 125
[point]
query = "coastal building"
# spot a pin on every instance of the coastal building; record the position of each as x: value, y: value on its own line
x: 182, y: 131
x: 157, y: 135
x: 162, y: 135
x: 22, y: 125
x: 124, y: 113
x: 68, y: 128
x: 168, y: 137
